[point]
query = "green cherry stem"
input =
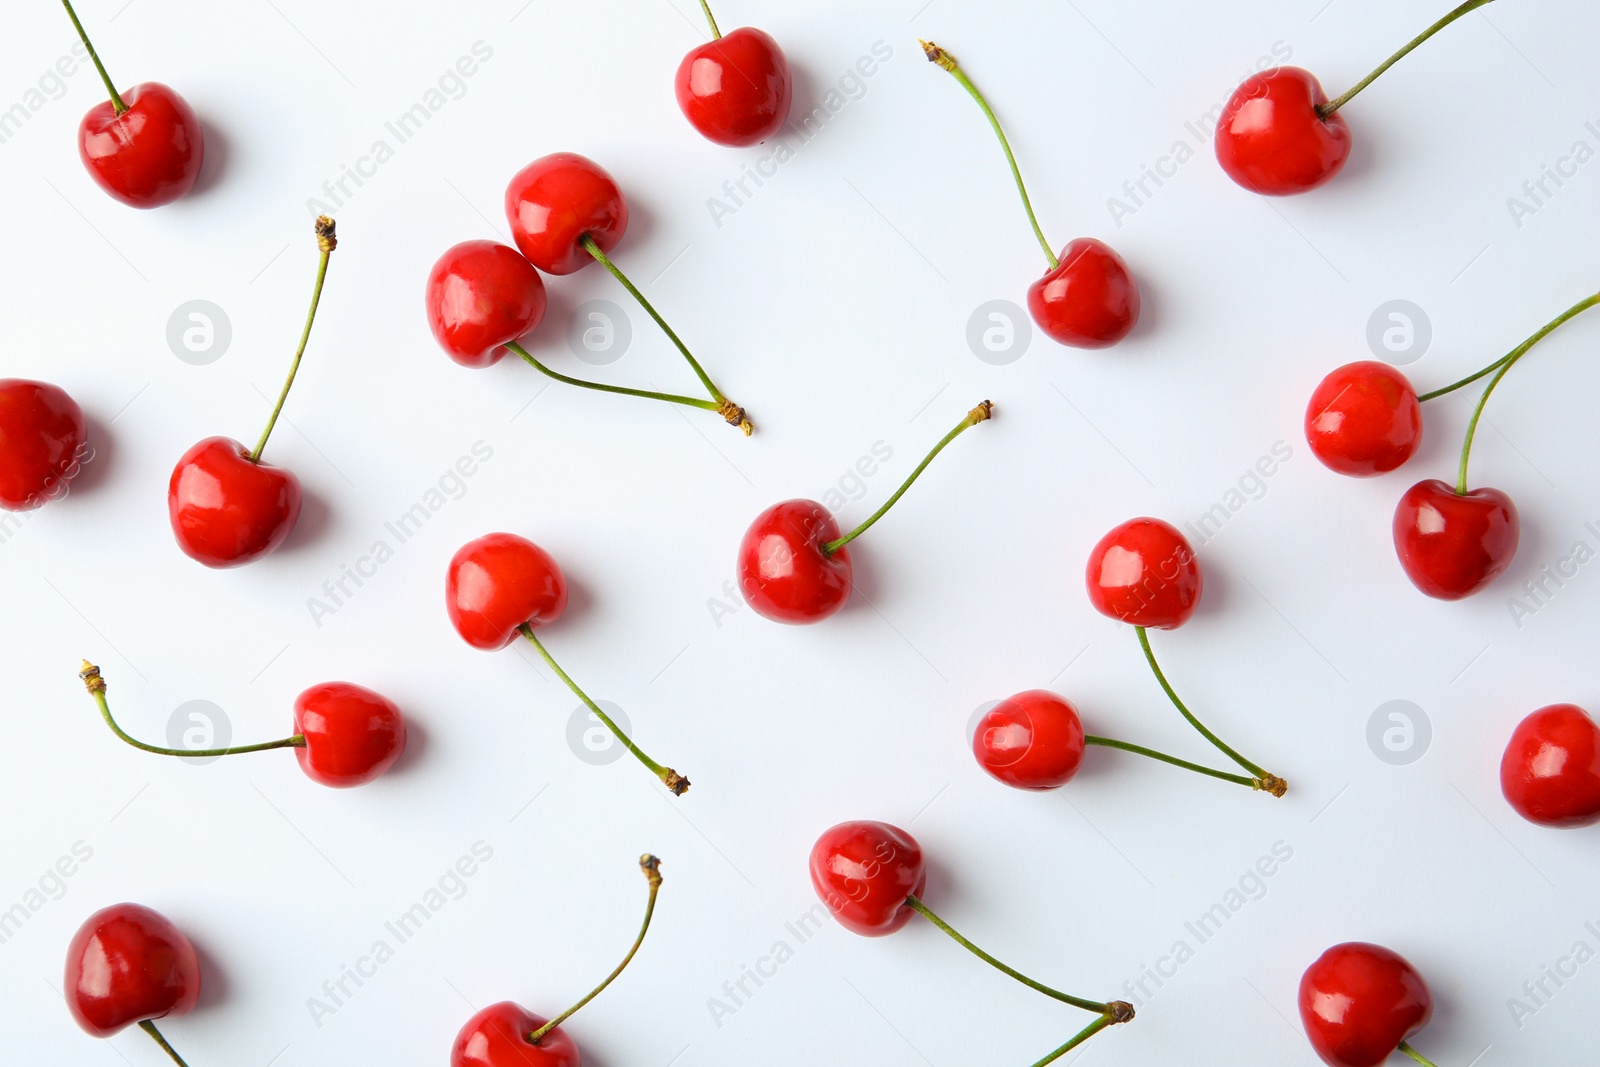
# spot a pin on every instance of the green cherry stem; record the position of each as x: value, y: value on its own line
x: 706, y: 7
x: 944, y: 59
x: 671, y: 398
x: 1082, y: 1035
x: 117, y: 103
x: 1414, y: 1054
x: 669, y: 777
x: 1505, y: 365
x: 1468, y: 380
x: 1125, y: 746
x: 982, y: 413
x: 1335, y: 104
x: 96, y: 685
x: 652, y: 871
x: 326, y: 243
x: 732, y: 413
x: 1271, y: 783
x: 155, y: 1035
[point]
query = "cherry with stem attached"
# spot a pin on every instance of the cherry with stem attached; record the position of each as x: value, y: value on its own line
x: 129, y: 965
x: 228, y: 508
x: 1088, y: 298
x: 1360, y: 1003
x: 507, y: 1035
x: 735, y: 89
x: 794, y: 565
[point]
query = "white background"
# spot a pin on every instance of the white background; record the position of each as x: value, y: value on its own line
x: 833, y: 303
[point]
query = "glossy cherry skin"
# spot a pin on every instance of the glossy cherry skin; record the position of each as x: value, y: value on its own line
x: 1090, y: 300
x: 227, y: 511
x: 1033, y: 740
x: 555, y: 201
x: 497, y: 583
x: 352, y: 734
x: 1364, y: 420
x: 127, y: 964
x: 1359, y: 1001
x: 1144, y: 573
x: 1550, y: 772
x: 736, y: 90
x: 783, y: 572
x: 1271, y: 140
x: 43, y: 440
x: 498, y: 1037
x: 1451, y: 546
x: 150, y: 154
x: 480, y: 295
x: 864, y: 871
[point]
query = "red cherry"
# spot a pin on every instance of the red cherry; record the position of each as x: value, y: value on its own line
x: 128, y: 964
x: 498, y: 1037
x: 1360, y: 1002
x: 1450, y: 544
x: 1090, y: 300
x: 481, y: 295
x: 499, y: 582
x: 736, y: 89
x: 1364, y: 419
x: 227, y: 510
x: 864, y: 872
x: 1033, y: 740
x: 150, y: 154
x: 554, y: 202
x: 352, y: 734
x: 784, y: 573
x: 43, y: 440
x: 1551, y: 770
x: 1144, y: 573
x: 1272, y: 139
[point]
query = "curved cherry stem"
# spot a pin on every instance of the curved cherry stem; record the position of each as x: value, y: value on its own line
x: 731, y: 412
x: 706, y: 7
x: 1505, y: 365
x: 652, y: 871
x: 1468, y: 380
x: 1270, y: 782
x: 1414, y: 1054
x: 326, y: 243
x: 96, y: 685
x: 669, y: 777
x: 117, y: 103
x: 1335, y: 104
x: 1125, y: 746
x: 671, y: 398
x: 150, y: 1028
x: 944, y: 59
x: 981, y: 413
x: 1083, y: 1035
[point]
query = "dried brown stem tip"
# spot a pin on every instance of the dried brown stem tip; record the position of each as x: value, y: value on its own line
x: 982, y: 413
x: 1120, y: 1011
x: 937, y: 55
x: 675, y: 782
x: 734, y: 415
x: 1271, y: 783
x: 91, y: 678
x: 651, y: 867
x: 326, y: 241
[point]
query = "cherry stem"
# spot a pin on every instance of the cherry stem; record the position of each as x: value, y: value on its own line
x: 948, y: 62
x: 326, y: 242
x: 1505, y: 365
x: 981, y: 413
x: 1083, y: 1035
x: 96, y: 685
x: 155, y: 1035
x: 1414, y: 1054
x: 1270, y: 782
x: 1125, y: 746
x: 117, y: 103
x: 1468, y: 380
x: 1335, y: 104
x: 671, y: 398
x: 1077, y: 1002
x: 731, y: 412
x: 669, y: 777
x: 706, y: 7
x: 652, y: 871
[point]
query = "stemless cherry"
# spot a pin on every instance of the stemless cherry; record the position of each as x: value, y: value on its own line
x: 480, y: 296
x: 1033, y: 740
x: 128, y: 964
x: 1550, y: 773
x: 1364, y: 419
x: 43, y: 441
x: 1360, y: 1002
x: 1450, y: 544
x: 144, y: 146
x: 735, y: 89
x: 1145, y: 573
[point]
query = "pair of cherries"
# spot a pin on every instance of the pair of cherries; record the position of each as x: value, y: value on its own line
x: 1365, y: 419
x: 565, y: 212
x: 44, y: 441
